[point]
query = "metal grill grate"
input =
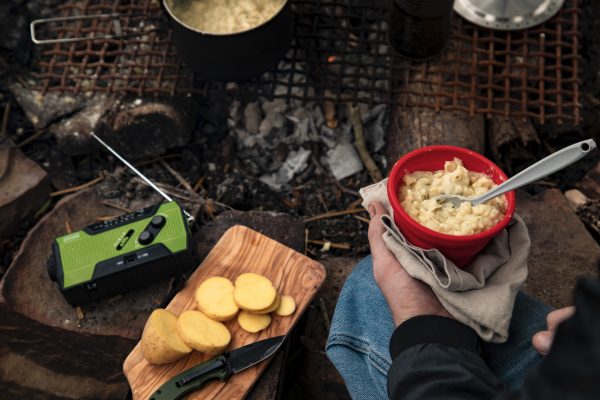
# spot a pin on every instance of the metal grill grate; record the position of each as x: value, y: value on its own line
x: 340, y: 53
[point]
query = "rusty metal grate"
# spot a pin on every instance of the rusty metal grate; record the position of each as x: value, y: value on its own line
x: 340, y: 53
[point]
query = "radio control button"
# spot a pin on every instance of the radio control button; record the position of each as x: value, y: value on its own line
x: 146, y: 237
x: 158, y: 221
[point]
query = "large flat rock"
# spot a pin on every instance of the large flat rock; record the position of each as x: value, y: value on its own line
x: 562, y: 250
x: 282, y: 227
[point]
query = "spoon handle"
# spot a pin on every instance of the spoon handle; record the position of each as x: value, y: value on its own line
x: 541, y: 169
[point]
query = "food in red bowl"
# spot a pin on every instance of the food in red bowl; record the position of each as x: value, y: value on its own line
x: 465, y: 233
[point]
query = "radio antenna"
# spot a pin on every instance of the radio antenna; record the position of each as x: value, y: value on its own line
x: 134, y: 169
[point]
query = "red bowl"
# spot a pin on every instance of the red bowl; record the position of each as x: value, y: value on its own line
x: 459, y: 249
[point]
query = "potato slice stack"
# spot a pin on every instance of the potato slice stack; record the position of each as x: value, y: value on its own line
x: 252, y: 298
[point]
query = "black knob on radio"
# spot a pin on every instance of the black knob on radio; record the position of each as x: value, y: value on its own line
x: 158, y: 221
x: 146, y: 237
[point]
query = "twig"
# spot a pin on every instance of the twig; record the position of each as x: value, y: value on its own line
x: 305, y: 241
x: 68, y: 228
x: 362, y: 219
x: 359, y: 142
x: 5, y: 118
x: 77, y: 188
x: 106, y: 203
x: 327, y: 244
x: 546, y: 183
x: 223, y: 205
x: 179, y: 178
x: 156, y: 159
x: 79, y: 311
x: 32, y: 138
x: 199, y: 183
x: 332, y: 214
x: 114, y: 298
x: 42, y: 210
x: 168, y: 190
x: 592, y: 99
x: 329, y: 111
x: 209, y: 208
x: 354, y: 204
x: 319, y: 197
x: 17, y: 76
x: 323, y: 309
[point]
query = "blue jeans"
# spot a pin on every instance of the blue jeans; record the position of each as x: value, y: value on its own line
x: 358, y: 343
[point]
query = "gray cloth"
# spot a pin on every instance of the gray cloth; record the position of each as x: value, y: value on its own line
x: 482, y: 294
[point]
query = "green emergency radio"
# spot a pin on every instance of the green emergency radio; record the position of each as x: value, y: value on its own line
x: 126, y: 253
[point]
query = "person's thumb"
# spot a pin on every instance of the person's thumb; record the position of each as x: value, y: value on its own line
x: 542, y: 341
x: 376, y: 230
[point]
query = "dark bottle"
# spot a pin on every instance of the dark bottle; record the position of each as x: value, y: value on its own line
x: 420, y: 29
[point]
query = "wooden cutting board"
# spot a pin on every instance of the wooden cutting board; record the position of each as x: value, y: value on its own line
x: 239, y: 250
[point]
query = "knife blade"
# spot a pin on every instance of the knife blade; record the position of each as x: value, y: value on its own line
x: 221, y: 367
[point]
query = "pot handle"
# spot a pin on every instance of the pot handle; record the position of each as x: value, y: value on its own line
x: 119, y: 32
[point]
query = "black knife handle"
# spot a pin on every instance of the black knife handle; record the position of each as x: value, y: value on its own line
x: 193, y: 379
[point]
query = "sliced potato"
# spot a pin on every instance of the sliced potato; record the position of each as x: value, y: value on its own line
x: 160, y: 342
x: 215, y: 299
x: 253, y: 322
x: 202, y: 333
x: 287, y: 306
x: 271, y: 308
x: 254, y: 292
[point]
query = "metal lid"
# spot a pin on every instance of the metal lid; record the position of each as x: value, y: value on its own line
x: 507, y: 15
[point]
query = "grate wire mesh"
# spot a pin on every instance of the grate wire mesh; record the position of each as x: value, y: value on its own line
x: 340, y: 53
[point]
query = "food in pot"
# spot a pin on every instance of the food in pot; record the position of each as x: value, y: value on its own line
x: 419, y: 188
x: 224, y: 16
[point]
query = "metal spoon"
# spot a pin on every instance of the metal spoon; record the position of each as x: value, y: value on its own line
x: 537, y: 171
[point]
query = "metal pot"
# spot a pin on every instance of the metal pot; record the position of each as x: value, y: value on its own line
x: 225, y: 57
x: 236, y: 56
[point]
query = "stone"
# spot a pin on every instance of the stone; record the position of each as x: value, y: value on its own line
x: 590, y: 183
x: 72, y: 133
x: 24, y: 188
x: 43, y: 109
x: 148, y: 128
x: 282, y: 227
x: 135, y: 128
x: 562, y: 250
x: 42, y: 334
x: 338, y: 269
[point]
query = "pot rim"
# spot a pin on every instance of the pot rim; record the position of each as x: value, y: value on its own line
x: 172, y: 15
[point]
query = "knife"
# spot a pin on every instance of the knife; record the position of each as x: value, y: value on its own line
x: 221, y: 367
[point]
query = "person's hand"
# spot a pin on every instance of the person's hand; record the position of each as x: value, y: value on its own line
x: 542, y: 341
x: 407, y: 297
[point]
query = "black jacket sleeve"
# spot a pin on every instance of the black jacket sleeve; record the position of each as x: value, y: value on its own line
x: 437, y: 358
